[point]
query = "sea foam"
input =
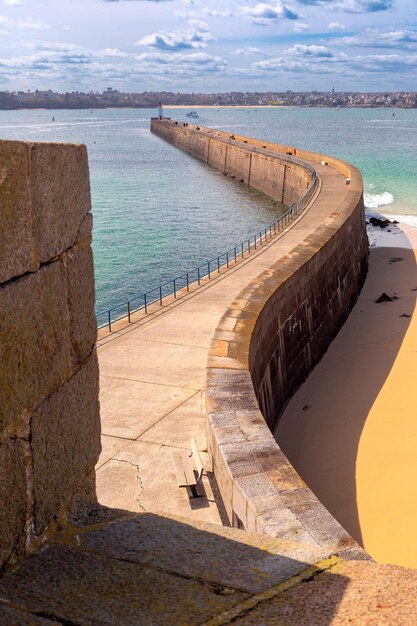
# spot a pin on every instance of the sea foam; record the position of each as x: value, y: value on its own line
x: 410, y: 220
x: 374, y: 201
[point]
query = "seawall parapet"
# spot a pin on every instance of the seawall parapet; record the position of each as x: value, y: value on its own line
x: 272, y: 335
x: 278, y: 173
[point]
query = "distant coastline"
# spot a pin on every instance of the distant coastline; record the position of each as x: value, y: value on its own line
x: 204, y: 106
x: 111, y: 98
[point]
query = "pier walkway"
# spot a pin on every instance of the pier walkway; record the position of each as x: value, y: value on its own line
x: 153, y: 378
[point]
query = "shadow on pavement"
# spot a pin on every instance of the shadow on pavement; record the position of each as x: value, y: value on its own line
x: 151, y: 570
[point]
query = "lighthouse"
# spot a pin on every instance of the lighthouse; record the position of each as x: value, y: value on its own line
x: 160, y: 111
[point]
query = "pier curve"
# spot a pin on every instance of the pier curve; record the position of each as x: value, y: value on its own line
x: 259, y: 488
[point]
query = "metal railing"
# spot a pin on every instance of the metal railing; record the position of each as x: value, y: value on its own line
x: 143, y: 301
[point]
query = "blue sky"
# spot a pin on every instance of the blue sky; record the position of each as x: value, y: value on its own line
x: 197, y: 45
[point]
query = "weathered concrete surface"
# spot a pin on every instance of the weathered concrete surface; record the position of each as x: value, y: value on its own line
x: 152, y: 570
x: 349, y: 593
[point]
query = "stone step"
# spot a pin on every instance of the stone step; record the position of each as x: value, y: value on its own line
x: 153, y: 569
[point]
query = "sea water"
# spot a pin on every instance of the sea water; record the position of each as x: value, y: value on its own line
x: 159, y: 212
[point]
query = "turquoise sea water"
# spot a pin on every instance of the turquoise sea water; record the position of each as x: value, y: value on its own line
x: 159, y: 212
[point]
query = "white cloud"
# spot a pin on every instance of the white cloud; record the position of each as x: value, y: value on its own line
x: 282, y: 64
x: 198, y: 25
x: 196, y: 37
x: 179, y: 63
x: 336, y: 26
x: 267, y: 14
x: 401, y: 38
x: 301, y: 27
x: 216, y: 13
x: 352, y: 6
x: 251, y: 50
x: 112, y: 53
x: 12, y: 3
x: 385, y: 63
x: 310, y: 51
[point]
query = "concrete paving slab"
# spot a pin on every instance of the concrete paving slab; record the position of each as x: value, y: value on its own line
x: 184, y: 422
x: 109, y: 447
x: 206, y: 552
x: 154, y: 362
x: 85, y: 589
x: 352, y: 593
x: 198, y: 327
x: 119, y: 486
x: 129, y: 408
x: 141, y: 477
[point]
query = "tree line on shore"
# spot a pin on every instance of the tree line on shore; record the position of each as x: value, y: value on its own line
x: 49, y: 99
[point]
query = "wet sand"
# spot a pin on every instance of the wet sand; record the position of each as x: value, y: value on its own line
x: 351, y: 429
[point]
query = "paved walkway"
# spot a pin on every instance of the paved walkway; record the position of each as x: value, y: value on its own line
x: 153, y: 380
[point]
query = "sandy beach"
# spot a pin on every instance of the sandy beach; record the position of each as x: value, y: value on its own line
x: 351, y: 429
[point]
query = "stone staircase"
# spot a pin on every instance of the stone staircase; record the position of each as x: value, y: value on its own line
x: 147, y: 569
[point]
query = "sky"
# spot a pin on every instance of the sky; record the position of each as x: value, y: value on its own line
x: 208, y: 46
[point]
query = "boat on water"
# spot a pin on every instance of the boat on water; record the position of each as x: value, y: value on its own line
x: 192, y: 114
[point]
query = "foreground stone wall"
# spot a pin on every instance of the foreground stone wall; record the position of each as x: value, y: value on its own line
x: 49, y: 412
x: 249, y: 160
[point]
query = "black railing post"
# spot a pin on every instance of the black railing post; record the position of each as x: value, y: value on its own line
x: 128, y: 311
x: 227, y: 258
x: 188, y: 282
x: 175, y: 288
x: 208, y: 269
x: 160, y: 295
x: 235, y: 254
x: 109, y: 314
x: 218, y: 265
x: 198, y: 275
x: 146, y: 302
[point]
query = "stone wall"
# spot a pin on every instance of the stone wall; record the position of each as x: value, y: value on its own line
x: 49, y: 412
x: 256, y: 163
x: 302, y: 316
x: 271, y: 336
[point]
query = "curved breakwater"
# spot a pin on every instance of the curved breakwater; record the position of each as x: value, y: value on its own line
x: 274, y: 331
